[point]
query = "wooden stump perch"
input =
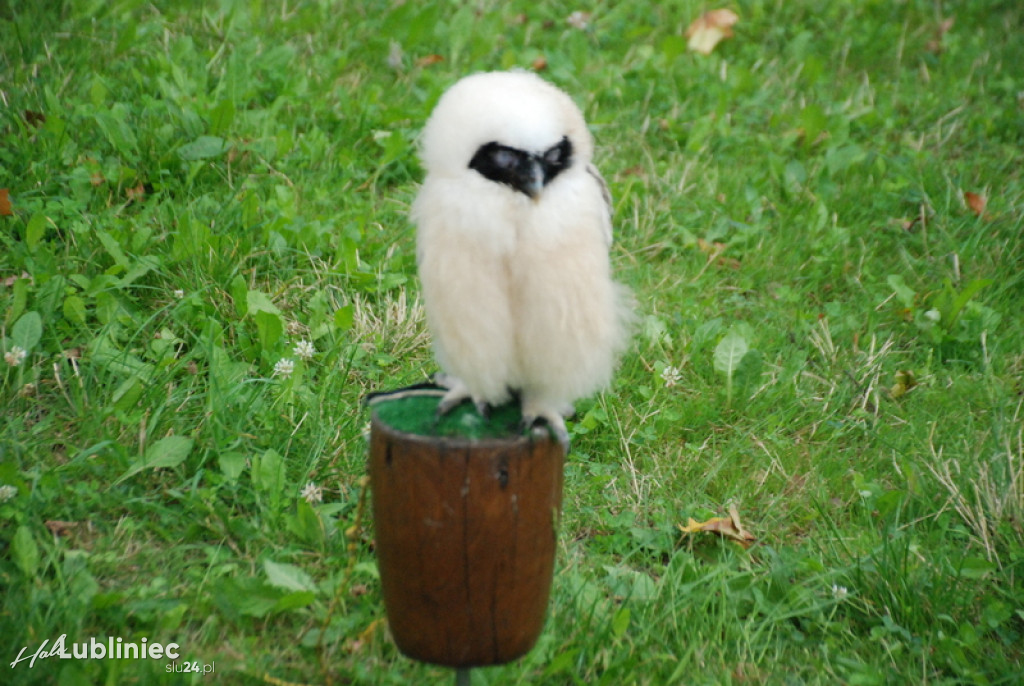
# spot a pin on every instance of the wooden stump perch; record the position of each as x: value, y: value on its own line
x: 465, y: 538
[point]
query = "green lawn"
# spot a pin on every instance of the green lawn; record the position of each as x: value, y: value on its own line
x: 830, y: 337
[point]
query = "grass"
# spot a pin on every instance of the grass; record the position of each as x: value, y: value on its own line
x: 830, y: 336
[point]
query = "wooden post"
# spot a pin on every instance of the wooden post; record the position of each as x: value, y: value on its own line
x: 465, y: 538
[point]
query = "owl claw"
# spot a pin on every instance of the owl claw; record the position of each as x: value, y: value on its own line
x: 456, y: 394
x: 483, y: 407
x: 555, y: 427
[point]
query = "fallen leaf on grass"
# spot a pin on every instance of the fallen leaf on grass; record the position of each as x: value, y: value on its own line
x: 136, y: 194
x: 975, y: 202
x: 713, y: 248
x: 429, y: 60
x: 8, y: 281
x: 5, y: 203
x: 60, y: 528
x: 539, y: 64
x: 727, y: 527
x: 709, y: 29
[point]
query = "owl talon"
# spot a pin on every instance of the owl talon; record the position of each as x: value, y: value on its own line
x: 555, y: 428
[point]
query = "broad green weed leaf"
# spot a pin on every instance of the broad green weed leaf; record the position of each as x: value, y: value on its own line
x: 294, y: 600
x: 904, y: 293
x: 620, y: 622
x: 257, y: 301
x: 343, y: 318
x: 268, y: 472
x: 729, y: 353
x: 27, y: 331
x: 240, y: 295
x: 126, y: 396
x: 113, y: 249
x: 98, y: 92
x: 246, y: 595
x: 163, y: 454
x: 288, y: 577
x: 115, y: 128
x: 842, y: 158
x: 232, y: 464
x: 814, y: 122
x: 749, y: 369
x: 35, y: 230
x: 140, y: 268
x: 74, y: 309
x: 203, y: 148
x: 225, y: 373
x: 976, y: 568
x: 110, y: 358
x: 222, y: 117
x: 306, y: 524
x: 24, y: 551
x: 19, y: 296
x: 269, y: 327
x: 728, y: 356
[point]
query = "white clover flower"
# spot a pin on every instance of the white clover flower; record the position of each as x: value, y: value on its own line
x: 304, y: 350
x: 15, y: 356
x: 671, y: 376
x: 933, y: 315
x: 579, y: 20
x: 312, y: 493
x: 179, y: 294
x: 7, y: 492
x: 284, y: 367
x: 839, y: 592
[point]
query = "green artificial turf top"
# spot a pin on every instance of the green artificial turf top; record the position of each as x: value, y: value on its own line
x: 417, y: 414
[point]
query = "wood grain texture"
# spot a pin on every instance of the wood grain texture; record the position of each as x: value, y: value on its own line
x: 465, y: 539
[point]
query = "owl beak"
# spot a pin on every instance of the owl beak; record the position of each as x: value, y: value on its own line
x: 533, y: 179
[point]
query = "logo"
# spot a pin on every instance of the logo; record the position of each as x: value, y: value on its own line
x: 112, y: 648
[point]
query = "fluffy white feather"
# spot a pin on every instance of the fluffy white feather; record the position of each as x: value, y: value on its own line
x: 517, y: 283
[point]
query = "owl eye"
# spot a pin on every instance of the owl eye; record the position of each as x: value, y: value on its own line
x: 554, y: 156
x: 558, y: 157
x: 505, y: 159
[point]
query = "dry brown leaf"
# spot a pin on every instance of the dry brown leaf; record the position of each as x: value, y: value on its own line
x: 136, y: 194
x: 59, y: 527
x: 709, y: 29
x: 5, y: 203
x: 539, y: 64
x: 975, y: 202
x: 713, y: 248
x: 727, y: 527
x: 429, y: 60
x: 9, y: 280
